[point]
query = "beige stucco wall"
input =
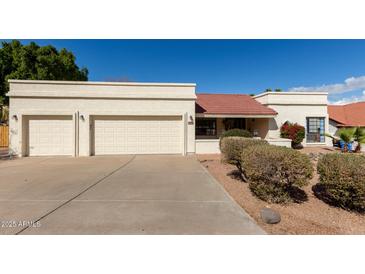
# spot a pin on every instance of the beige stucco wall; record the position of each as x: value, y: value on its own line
x: 252, y: 124
x: 101, y: 89
x: 220, y: 126
x: 80, y: 99
x: 207, y: 146
x: 295, y: 107
x: 332, y: 127
x: 282, y: 142
x: 259, y: 125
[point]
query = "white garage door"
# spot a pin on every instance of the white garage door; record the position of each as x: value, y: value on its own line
x: 50, y: 135
x: 138, y: 135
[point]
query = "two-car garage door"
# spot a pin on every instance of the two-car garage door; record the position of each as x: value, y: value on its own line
x: 55, y: 135
x: 138, y: 135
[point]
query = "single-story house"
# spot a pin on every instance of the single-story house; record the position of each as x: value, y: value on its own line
x: 103, y: 118
x: 349, y: 115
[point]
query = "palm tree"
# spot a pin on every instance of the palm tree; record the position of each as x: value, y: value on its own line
x: 359, y: 137
x: 348, y: 135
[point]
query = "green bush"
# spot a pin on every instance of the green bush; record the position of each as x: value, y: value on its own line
x: 342, y: 180
x: 275, y: 173
x: 232, y: 148
x: 236, y: 132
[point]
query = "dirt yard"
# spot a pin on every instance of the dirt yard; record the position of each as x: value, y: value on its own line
x: 310, y: 217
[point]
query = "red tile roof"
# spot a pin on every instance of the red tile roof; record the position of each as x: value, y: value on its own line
x: 348, y: 115
x: 237, y: 104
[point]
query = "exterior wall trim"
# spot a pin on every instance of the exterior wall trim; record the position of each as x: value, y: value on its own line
x: 293, y: 104
x: 291, y: 93
x: 207, y: 146
x: 30, y: 95
x: 100, y: 90
x: 202, y: 115
x: 90, y: 83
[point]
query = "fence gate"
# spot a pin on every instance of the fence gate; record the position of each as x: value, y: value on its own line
x: 4, y: 136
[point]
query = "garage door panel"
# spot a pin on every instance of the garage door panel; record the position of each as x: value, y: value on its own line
x: 50, y: 136
x: 138, y: 135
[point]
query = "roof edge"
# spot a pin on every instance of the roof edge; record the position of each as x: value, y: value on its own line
x: 290, y: 93
x: 333, y: 119
x: 343, y: 105
x: 96, y: 83
x: 207, y: 93
x: 351, y: 125
x: 234, y: 115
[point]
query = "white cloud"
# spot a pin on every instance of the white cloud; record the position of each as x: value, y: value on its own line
x: 350, y: 84
x: 351, y: 99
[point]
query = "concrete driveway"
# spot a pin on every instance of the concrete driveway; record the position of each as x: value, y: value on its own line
x: 116, y: 195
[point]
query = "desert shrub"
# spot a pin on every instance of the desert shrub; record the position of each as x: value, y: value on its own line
x: 232, y: 148
x: 276, y: 174
x: 295, y: 132
x: 342, y: 180
x: 236, y: 132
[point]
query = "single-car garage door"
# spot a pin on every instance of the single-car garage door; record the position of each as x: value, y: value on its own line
x: 138, y: 135
x: 50, y: 135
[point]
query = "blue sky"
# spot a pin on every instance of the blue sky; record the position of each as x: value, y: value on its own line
x: 228, y: 66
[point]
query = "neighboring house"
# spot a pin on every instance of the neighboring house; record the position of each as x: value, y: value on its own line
x: 349, y: 115
x: 103, y: 118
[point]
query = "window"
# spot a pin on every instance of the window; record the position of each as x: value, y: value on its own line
x: 315, y: 130
x: 205, y: 127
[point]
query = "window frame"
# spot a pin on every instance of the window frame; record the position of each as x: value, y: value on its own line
x: 321, y: 121
x: 213, y: 129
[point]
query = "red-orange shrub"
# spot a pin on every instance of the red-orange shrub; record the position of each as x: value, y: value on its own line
x: 295, y: 132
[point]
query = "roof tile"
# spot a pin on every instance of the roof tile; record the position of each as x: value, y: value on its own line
x: 235, y: 104
x: 348, y: 115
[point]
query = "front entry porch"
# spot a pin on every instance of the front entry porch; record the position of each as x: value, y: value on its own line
x: 212, y: 128
x: 209, y: 129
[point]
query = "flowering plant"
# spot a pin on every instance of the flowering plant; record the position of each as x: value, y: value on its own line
x: 295, y: 132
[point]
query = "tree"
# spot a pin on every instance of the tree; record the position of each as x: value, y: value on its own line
x: 268, y: 90
x: 349, y: 135
x: 278, y: 90
x: 4, y: 114
x: 346, y: 136
x: 359, y: 137
x: 34, y: 62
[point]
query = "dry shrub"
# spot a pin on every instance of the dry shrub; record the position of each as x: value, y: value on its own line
x: 232, y: 148
x: 276, y: 174
x: 342, y: 180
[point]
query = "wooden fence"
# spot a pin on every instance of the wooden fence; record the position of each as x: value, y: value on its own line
x: 4, y: 136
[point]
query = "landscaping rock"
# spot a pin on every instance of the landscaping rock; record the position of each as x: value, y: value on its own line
x: 270, y: 216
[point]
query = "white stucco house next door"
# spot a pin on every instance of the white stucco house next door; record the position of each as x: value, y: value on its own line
x: 98, y: 118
